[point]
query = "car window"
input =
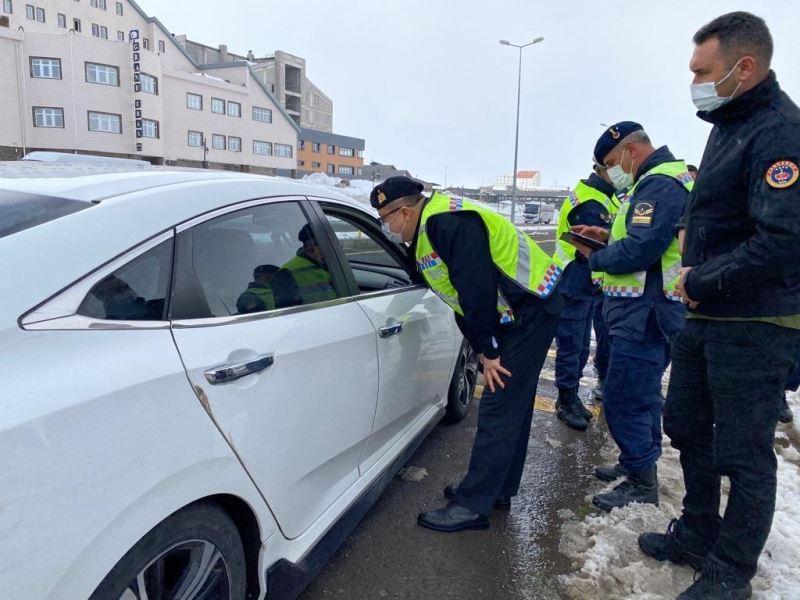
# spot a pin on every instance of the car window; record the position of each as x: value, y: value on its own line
x: 253, y: 260
x: 20, y: 210
x: 136, y: 291
x: 374, y: 267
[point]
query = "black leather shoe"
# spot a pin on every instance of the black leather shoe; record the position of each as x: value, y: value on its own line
x: 452, y: 517
x: 610, y: 473
x: 675, y: 546
x: 785, y: 416
x: 570, y: 410
x: 639, y: 486
x: 717, y: 582
x: 502, y: 502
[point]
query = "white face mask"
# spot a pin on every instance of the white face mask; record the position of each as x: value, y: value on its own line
x: 619, y: 178
x: 705, y: 96
x: 397, y: 238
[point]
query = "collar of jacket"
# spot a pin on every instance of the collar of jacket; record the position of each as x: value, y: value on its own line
x: 601, y: 185
x: 741, y: 108
x: 661, y: 155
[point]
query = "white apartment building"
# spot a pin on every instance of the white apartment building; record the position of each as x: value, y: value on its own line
x: 527, y: 181
x: 101, y: 77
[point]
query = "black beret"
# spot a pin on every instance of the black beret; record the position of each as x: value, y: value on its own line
x: 306, y: 235
x: 266, y: 269
x: 613, y: 136
x: 392, y: 189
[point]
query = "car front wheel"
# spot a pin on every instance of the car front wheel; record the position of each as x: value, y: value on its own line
x: 462, y: 386
x: 195, y: 554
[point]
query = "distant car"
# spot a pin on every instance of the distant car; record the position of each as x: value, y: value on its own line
x: 172, y: 425
x: 536, y: 212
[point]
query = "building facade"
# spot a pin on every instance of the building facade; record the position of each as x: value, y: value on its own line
x: 101, y: 77
x: 526, y: 181
x: 336, y: 155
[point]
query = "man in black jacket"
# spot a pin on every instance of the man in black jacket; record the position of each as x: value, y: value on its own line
x: 741, y: 280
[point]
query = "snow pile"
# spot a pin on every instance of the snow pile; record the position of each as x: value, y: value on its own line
x: 358, y: 189
x: 609, y: 564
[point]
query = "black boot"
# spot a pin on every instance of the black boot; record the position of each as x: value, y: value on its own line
x: 639, y: 486
x: 570, y: 409
x: 677, y: 545
x: 502, y: 502
x: 610, y: 473
x: 452, y: 517
x: 785, y: 416
x: 717, y: 582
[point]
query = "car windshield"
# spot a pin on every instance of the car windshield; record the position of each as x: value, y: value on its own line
x: 20, y: 211
x: 532, y: 208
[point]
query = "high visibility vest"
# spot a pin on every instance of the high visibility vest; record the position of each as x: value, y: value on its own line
x: 631, y: 285
x: 513, y: 252
x: 313, y: 282
x: 263, y: 293
x: 565, y: 252
x: 616, y: 200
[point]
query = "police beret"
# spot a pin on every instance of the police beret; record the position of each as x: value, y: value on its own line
x: 613, y: 136
x: 306, y: 235
x: 266, y: 269
x: 392, y: 189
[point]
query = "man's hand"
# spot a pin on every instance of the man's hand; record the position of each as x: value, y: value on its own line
x: 681, y: 289
x: 592, y: 231
x: 681, y: 240
x: 492, y: 371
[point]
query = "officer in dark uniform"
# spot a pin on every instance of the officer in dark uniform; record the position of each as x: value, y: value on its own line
x: 305, y: 279
x: 258, y: 296
x: 741, y: 279
x: 643, y: 312
x: 463, y: 252
x: 588, y: 204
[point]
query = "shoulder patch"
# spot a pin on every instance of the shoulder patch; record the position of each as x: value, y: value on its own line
x: 782, y: 174
x: 643, y: 213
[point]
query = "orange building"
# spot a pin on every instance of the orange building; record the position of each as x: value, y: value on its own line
x: 330, y: 153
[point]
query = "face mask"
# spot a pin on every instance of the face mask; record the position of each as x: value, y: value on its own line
x: 705, y: 96
x: 619, y: 178
x: 397, y: 238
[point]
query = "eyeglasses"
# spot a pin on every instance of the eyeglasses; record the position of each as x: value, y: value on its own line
x: 387, y: 215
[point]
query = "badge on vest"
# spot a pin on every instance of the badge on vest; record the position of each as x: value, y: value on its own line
x: 782, y: 174
x: 643, y: 214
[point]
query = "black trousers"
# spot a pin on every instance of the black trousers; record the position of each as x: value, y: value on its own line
x: 504, y: 420
x: 725, y: 393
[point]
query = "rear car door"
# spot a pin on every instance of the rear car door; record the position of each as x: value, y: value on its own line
x: 416, y: 333
x: 283, y: 362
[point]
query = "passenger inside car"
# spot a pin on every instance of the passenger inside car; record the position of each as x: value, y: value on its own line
x: 305, y: 278
x: 258, y: 296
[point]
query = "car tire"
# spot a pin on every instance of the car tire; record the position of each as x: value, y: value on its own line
x: 462, y: 385
x: 196, y: 554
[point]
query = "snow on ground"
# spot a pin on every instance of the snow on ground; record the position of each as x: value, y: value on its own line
x: 607, y: 560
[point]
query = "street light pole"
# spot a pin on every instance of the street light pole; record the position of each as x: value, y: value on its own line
x: 516, y: 135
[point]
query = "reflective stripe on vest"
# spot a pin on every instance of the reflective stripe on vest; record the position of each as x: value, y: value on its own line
x: 264, y: 294
x: 313, y: 282
x: 631, y: 285
x: 565, y: 252
x: 513, y: 252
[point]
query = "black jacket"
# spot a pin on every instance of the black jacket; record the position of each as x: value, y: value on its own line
x: 742, y: 219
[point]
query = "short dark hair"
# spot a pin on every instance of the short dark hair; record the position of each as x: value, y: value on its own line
x: 739, y: 33
x: 691, y: 168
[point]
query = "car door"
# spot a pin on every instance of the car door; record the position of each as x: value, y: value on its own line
x: 416, y: 334
x: 285, y: 364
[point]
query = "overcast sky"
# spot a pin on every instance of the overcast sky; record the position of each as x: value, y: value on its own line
x: 429, y: 87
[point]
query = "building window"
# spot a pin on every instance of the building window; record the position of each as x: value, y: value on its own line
x: 194, y: 101
x: 76, y: 25
x: 120, y: 36
x: 345, y: 170
x: 360, y: 154
x: 315, y: 165
x: 234, y: 144
x: 145, y: 43
x: 234, y: 109
x: 262, y: 115
x: 196, y: 139
x: 315, y: 147
x: 102, y: 74
x: 120, y: 10
x: 331, y: 169
x: 331, y: 149
x: 162, y: 47
x: 149, y: 84
x: 30, y: 11
x: 48, y: 117
x: 149, y: 129
x: 46, y: 68
x: 346, y: 151
x: 62, y: 21
x: 7, y: 7
x: 95, y: 30
x: 283, y: 150
x: 218, y: 106
x: 218, y: 142
x: 105, y: 122
x: 40, y: 15
x: 103, y: 32
x: 263, y: 148
x: 98, y: 4
x: 358, y: 170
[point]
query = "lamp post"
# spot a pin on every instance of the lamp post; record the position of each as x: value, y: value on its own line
x: 516, y: 136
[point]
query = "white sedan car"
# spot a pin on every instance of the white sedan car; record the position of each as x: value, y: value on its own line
x: 208, y: 378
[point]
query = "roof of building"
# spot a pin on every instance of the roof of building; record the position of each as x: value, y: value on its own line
x: 312, y: 135
x: 527, y: 174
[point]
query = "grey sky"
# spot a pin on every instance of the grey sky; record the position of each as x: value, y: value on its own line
x: 428, y: 86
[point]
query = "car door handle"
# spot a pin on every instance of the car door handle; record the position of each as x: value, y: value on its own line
x: 390, y: 330
x: 228, y: 373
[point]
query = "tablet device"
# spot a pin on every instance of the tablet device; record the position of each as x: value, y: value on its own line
x: 569, y: 236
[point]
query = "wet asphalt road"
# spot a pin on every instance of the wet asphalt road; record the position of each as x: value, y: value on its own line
x: 390, y: 556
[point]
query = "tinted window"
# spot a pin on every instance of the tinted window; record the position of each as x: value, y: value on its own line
x: 20, y: 211
x: 134, y: 292
x: 248, y: 261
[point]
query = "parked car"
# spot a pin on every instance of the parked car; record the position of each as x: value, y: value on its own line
x: 538, y: 212
x: 172, y: 424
